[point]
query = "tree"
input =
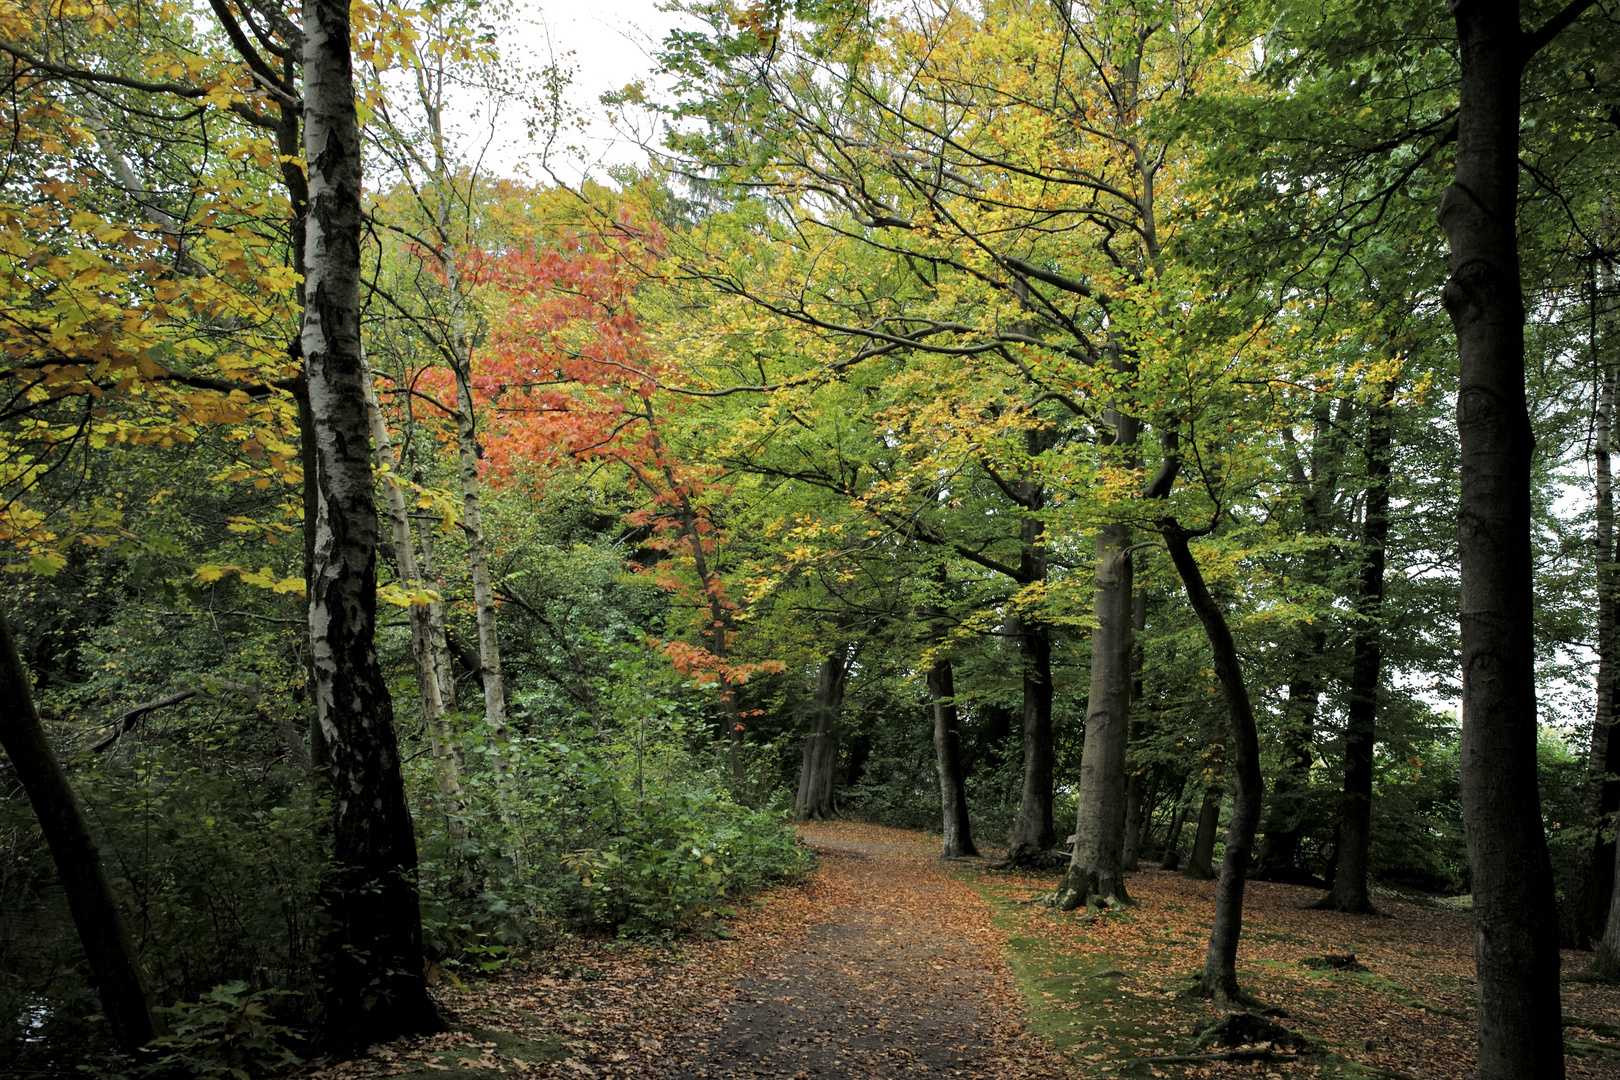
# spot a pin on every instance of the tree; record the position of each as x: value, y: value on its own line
x: 375, y: 986
x: 1520, y: 1031
x: 120, y: 981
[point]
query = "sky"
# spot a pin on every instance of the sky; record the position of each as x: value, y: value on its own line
x: 606, y: 45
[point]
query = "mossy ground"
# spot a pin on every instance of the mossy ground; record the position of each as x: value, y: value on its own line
x: 1110, y: 990
x: 477, y: 1053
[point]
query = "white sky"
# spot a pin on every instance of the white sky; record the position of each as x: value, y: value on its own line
x: 607, y: 44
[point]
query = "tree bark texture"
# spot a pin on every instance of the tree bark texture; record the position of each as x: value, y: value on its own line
x: 1515, y: 917
x: 1220, y: 964
x: 814, y: 799
x: 956, y: 832
x: 1349, y: 891
x: 1200, y: 861
x: 114, y: 964
x: 1096, y: 873
x: 374, y: 987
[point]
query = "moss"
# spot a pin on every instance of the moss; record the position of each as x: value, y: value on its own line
x: 507, y: 1045
x: 1082, y: 1004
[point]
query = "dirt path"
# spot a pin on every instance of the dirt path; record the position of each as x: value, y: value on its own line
x: 881, y: 964
x: 904, y: 977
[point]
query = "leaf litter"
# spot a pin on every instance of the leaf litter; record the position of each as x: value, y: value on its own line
x: 887, y: 962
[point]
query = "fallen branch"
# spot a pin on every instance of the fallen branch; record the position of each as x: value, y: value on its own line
x: 125, y: 722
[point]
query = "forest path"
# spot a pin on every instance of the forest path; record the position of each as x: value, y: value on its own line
x: 902, y: 976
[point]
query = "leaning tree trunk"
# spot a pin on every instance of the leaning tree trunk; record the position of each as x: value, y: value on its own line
x: 1220, y: 964
x: 956, y: 833
x: 472, y: 524
x: 107, y: 946
x: 1200, y: 861
x: 373, y: 979
x: 1515, y: 913
x: 1349, y: 891
x: 424, y: 647
x: 814, y: 799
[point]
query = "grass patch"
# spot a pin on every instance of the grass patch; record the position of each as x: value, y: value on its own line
x: 481, y: 1058
x: 1089, y: 1005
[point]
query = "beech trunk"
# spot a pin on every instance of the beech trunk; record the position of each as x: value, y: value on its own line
x: 1200, y: 861
x: 1220, y: 964
x: 114, y: 965
x: 1593, y: 874
x: 1171, y: 857
x: 1033, y: 834
x: 1515, y: 915
x: 1349, y: 892
x: 956, y: 832
x: 814, y: 799
x: 1096, y: 873
x: 374, y: 985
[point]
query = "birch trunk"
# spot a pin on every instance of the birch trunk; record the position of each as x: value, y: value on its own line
x: 1515, y: 913
x: 472, y: 525
x: 441, y: 740
x: 374, y: 983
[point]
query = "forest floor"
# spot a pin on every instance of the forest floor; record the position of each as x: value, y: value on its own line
x: 887, y: 962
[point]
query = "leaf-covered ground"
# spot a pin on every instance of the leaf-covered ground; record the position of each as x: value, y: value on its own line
x: 888, y: 963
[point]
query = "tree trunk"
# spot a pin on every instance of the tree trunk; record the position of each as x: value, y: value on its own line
x: 956, y: 833
x: 814, y: 800
x: 1220, y: 964
x: 1200, y: 862
x: 1277, y: 857
x: 117, y: 973
x: 443, y: 663
x: 375, y: 990
x: 424, y: 650
x: 1136, y: 800
x: 1096, y: 874
x: 1033, y: 834
x: 472, y: 524
x: 1171, y: 857
x: 1594, y: 869
x: 1361, y: 723
x: 1515, y: 916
